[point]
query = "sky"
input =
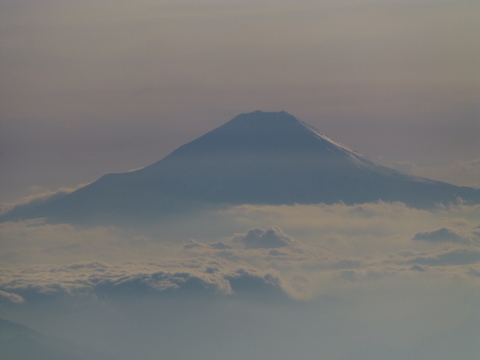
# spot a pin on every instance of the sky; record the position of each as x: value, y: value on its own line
x: 91, y: 87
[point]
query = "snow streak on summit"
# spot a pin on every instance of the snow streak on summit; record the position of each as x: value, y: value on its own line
x: 255, y: 158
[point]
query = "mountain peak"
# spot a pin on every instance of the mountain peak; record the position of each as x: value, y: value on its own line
x: 255, y: 158
x: 262, y: 120
x: 266, y: 116
x: 260, y: 131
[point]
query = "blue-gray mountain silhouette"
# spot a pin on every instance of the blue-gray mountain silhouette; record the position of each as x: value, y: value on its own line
x: 255, y: 158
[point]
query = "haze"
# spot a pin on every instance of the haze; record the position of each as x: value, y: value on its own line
x: 92, y: 87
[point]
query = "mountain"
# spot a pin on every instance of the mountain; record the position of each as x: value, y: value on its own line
x: 20, y: 342
x: 255, y: 158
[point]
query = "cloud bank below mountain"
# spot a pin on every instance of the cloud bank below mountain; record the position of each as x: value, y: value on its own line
x: 233, y: 281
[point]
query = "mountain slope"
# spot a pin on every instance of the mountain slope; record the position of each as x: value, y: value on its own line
x: 256, y: 158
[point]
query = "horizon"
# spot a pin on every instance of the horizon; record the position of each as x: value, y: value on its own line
x: 261, y: 250
x: 40, y: 193
x: 256, y: 158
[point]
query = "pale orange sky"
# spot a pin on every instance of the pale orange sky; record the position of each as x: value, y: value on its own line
x: 90, y: 87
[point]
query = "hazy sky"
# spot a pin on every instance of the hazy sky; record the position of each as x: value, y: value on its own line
x: 89, y: 87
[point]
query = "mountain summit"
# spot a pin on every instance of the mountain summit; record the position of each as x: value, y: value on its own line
x: 255, y: 158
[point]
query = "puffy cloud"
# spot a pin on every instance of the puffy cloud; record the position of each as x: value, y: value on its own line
x: 448, y: 258
x: 474, y: 272
x: 192, y: 244
x: 6, y: 297
x: 331, y: 244
x: 368, y: 274
x: 91, y: 280
x: 35, y: 241
x: 272, y: 237
x: 404, y: 166
x: 296, y: 272
x: 270, y: 247
x: 219, y: 245
x: 251, y: 281
x: 443, y: 235
x: 463, y: 173
x: 418, y: 268
x: 160, y: 282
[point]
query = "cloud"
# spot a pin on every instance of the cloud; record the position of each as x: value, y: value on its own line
x: 443, y: 235
x: 333, y: 246
x: 418, y: 268
x: 192, y: 244
x: 272, y: 237
x: 202, y: 276
x: 244, y: 277
x: 404, y: 166
x: 31, y: 202
x: 462, y: 173
x: 252, y: 281
x: 474, y: 272
x: 219, y: 245
x: 6, y: 297
x: 449, y: 258
x: 161, y: 283
x: 35, y: 241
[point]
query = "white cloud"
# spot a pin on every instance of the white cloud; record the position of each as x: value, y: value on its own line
x: 449, y: 258
x: 32, y: 201
x: 209, y: 276
x: 192, y: 244
x: 462, y: 173
x: 333, y: 246
x: 444, y: 235
x: 10, y: 297
x: 330, y: 279
x: 272, y: 237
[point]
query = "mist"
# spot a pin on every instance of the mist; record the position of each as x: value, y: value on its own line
x: 369, y: 281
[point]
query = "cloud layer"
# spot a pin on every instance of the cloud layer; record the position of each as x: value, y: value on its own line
x: 350, y: 282
x: 444, y: 235
x: 334, y: 246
